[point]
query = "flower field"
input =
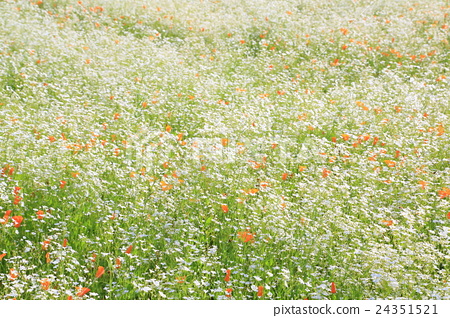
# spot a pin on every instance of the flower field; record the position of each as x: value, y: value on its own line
x: 224, y: 149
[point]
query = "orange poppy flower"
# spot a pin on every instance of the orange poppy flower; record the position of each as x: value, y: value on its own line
x: 45, y: 283
x: 387, y: 222
x: 65, y: 243
x: 129, y: 249
x: 256, y: 165
x: 13, y: 274
x: 325, y: 173
x: 440, y: 130
x: 47, y: 258
x: 166, y: 164
x: 250, y: 191
x: 448, y: 217
x: 62, y: 184
x: 45, y: 244
x: 390, y: 163
x: 224, y: 142
x: 246, y: 236
x: 5, y: 217
x: 228, y: 292
x: 445, y: 192
x: 345, y: 137
x: 2, y: 255
x: 302, y: 116
x: 168, y: 128
x: 100, y: 272
x: 227, y: 275
x: 17, y: 200
x: 82, y: 291
x: 224, y: 208
x: 118, y: 263
x: 260, y: 291
x: 375, y: 140
x: 17, y: 220
x: 355, y: 144
x: 165, y: 186
x: 361, y: 104
x: 16, y: 190
x: 333, y: 288
x: 40, y: 215
x: 398, y: 109
x: 264, y: 184
x: 423, y: 183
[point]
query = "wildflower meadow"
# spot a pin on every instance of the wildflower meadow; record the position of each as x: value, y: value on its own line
x: 200, y: 149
